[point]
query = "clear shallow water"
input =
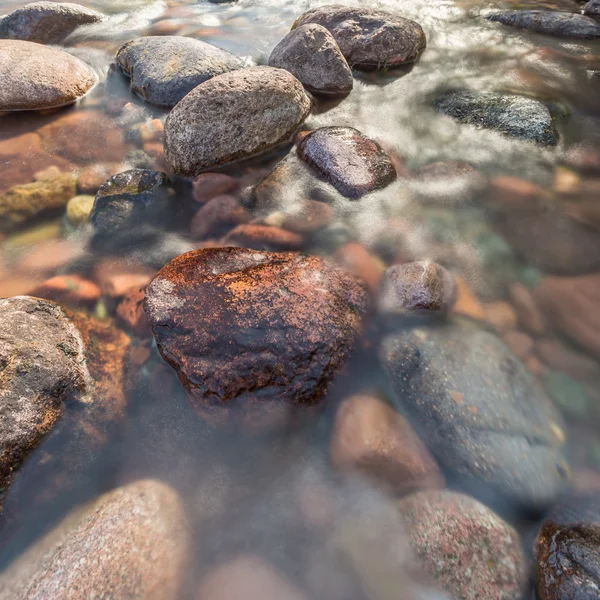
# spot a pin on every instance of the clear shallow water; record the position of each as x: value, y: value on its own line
x: 244, y: 492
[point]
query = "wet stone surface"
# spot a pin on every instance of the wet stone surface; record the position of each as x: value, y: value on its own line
x: 484, y: 418
x: 163, y: 69
x: 559, y: 24
x: 270, y: 332
x: 369, y: 39
x: 351, y: 162
x: 512, y: 115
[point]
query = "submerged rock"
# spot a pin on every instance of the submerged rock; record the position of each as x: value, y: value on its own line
x: 163, y: 69
x: 46, y: 22
x: 351, y: 162
x: 23, y: 203
x: 133, y: 542
x: 253, y: 333
x: 567, y: 551
x: 36, y: 77
x: 43, y: 368
x: 312, y: 55
x: 550, y: 22
x: 79, y: 209
x: 234, y: 116
x: 130, y: 199
x: 368, y: 38
x: 466, y: 548
x: 512, y: 115
x: 416, y: 288
x: 482, y: 414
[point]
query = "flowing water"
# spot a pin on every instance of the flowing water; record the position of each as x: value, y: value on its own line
x: 256, y: 495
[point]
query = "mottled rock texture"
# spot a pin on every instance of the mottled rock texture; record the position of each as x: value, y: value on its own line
x: 36, y: 77
x: 368, y: 38
x: 559, y: 24
x: 351, y: 162
x: 46, y: 22
x: 250, y: 332
x: 234, y: 116
x: 512, y: 115
x: 163, y: 69
x: 312, y: 55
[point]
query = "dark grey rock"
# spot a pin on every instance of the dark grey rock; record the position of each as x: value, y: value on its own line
x: 369, y: 39
x: 351, y: 162
x: 133, y: 542
x: 130, y: 199
x: 232, y: 117
x: 567, y: 551
x: 312, y: 55
x: 163, y: 69
x: 482, y: 414
x: 512, y: 115
x: 559, y: 24
x: 43, y: 366
x: 592, y: 8
x: 46, y: 22
x: 36, y: 77
x: 416, y: 288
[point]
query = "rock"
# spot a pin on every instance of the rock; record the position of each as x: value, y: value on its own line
x: 364, y: 266
x: 210, y: 185
x: 464, y: 546
x: 520, y: 344
x: 560, y: 357
x: 512, y: 115
x: 43, y: 368
x: 416, y: 288
x: 351, y: 162
x: 569, y: 395
x: 312, y: 55
x: 372, y: 438
x: 481, y: 412
x: 550, y: 22
x: 234, y: 116
x: 68, y: 289
x: 514, y: 192
x: 130, y: 311
x: 264, y: 337
x: 48, y: 255
x: 500, y: 315
x: 90, y: 178
x: 305, y: 217
x: 133, y: 542
x: 130, y: 199
x: 369, y: 39
x: 163, y: 69
x: 551, y: 241
x: 262, y: 237
x: 449, y: 183
x: 36, y: 77
x: 467, y: 303
x: 70, y: 135
x: 21, y: 203
x: 217, y: 216
x: 79, y: 209
x: 248, y: 577
x: 566, y: 551
x: 570, y: 304
x: 529, y: 316
x: 46, y: 22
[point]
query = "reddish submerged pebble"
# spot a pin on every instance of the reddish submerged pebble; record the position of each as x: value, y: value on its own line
x: 252, y: 333
x: 263, y: 237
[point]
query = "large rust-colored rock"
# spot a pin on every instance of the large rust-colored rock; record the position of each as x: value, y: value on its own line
x: 571, y: 305
x: 259, y: 332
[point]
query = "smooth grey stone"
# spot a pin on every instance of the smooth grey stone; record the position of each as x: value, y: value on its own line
x: 559, y: 24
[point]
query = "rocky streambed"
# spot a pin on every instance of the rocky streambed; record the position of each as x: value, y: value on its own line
x: 299, y: 301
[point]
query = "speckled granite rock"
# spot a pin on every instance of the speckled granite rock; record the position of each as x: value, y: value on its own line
x: 36, y: 77
x: 234, y: 116
x: 369, y: 38
x: 163, y: 69
x: 550, y: 22
x: 312, y: 55
x: 46, y: 22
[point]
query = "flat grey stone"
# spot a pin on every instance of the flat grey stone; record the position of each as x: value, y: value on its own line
x: 163, y: 69
x: 559, y: 24
x: 232, y: 117
x: 46, y: 22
